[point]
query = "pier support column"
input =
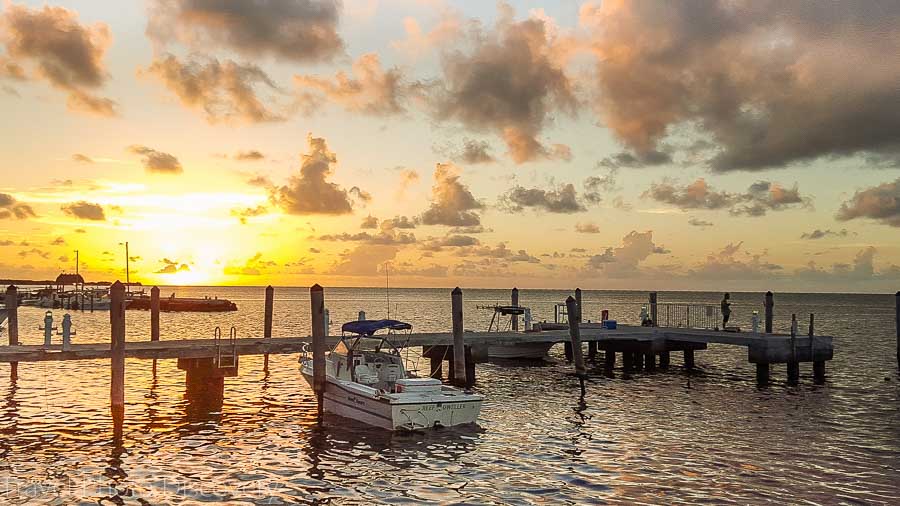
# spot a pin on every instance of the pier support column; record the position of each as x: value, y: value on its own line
x: 12, y: 319
x: 638, y: 359
x: 762, y: 373
x: 575, y: 336
x: 689, y: 359
x: 653, y: 309
x: 897, y: 323
x: 459, y: 351
x: 317, y: 308
x: 515, y: 302
x: 267, y: 320
x: 819, y: 371
x: 664, y: 359
x: 793, y: 372
x: 154, y: 313
x: 649, y: 361
x: 117, y: 349
x: 470, y: 368
x: 627, y: 362
x: 592, y: 351
x: 609, y: 361
x: 770, y: 311
x: 568, y: 351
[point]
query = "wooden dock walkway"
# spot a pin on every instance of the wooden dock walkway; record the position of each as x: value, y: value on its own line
x: 770, y: 348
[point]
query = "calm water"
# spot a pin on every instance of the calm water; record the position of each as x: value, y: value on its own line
x: 659, y: 437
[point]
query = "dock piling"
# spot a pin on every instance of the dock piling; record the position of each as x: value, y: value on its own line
x: 12, y: 318
x: 770, y: 306
x: 609, y: 362
x: 793, y: 366
x: 317, y: 307
x: 459, y: 352
x: 664, y: 359
x: 762, y: 373
x: 689, y: 359
x: 897, y: 323
x: 117, y: 349
x: 653, y: 309
x: 578, y: 305
x: 575, y: 335
x: 267, y: 320
x: 154, y: 313
x: 515, y: 302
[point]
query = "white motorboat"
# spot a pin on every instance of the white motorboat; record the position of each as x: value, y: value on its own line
x: 529, y: 351
x: 366, y: 380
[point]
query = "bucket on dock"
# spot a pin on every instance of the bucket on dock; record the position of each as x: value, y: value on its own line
x: 609, y: 324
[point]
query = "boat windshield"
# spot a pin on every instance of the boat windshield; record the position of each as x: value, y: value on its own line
x: 361, y: 344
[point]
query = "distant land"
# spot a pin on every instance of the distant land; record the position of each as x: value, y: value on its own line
x: 33, y: 282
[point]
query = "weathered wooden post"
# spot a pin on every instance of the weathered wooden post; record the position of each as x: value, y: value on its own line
x: 793, y: 366
x: 897, y: 323
x: 317, y: 307
x: 577, y: 305
x: 609, y: 361
x: 154, y: 313
x: 762, y: 373
x: 689, y: 358
x: 12, y: 318
x: 664, y: 359
x: 653, y: 309
x: 818, y: 365
x: 649, y: 361
x: 515, y: 302
x: 267, y: 321
x: 459, y: 350
x: 117, y: 349
x: 575, y: 335
x: 770, y: 305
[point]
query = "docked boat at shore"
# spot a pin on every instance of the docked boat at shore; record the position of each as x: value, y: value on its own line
x: 503, y: 320
x: 366, y: 380
x: 184, y: 304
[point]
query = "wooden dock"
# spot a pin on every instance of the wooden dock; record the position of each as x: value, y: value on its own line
x: 208, y: 361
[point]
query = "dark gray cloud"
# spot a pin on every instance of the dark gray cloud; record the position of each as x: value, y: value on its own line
x: 369, y: 222
x: 629, y: 160
x: 880, y: 203
x: 226, y: 91
x: 156, y: 161
x: 821, y: 234
x: 451, y: 241
x: 452, y: 203
x: 245, y: 213
x: 249, y: 156
x: 697, y: 222
x: 84, y: 210
x: 500, y: 251
x: 64, y: 52
x: 296, y: 30
x: 402, y: 222
x: 587, y: 228
x: 766, y: 82
x: 760, y: 197
x: 508, y: 84
x: 474, y: 152
x: 12, y: 208
x: 369, y: 90
x: 383, y: 238
x: 310, y: 192
x: 172, y: 267
x: 563, y: 199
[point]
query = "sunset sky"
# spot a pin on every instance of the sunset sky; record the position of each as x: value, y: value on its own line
x: 736, y: 145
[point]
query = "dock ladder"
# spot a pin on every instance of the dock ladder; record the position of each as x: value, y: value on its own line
x: 226, y: 356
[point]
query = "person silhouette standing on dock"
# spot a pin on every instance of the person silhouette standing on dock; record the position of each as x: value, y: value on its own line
x: 726, y: 310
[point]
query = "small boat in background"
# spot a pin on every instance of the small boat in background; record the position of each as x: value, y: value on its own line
x: 188, y: 305
x: 366, y: 380
x: 502, y: 321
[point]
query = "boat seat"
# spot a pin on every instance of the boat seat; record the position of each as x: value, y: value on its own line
x: 365, y: 375
x: 392, y: 372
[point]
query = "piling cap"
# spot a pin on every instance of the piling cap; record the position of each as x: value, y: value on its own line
x: 155, y: 289
x: 316, y: 288
x: 456, y: 290
x: 570, y: 299
x: 117, y: 286
x: 13, y: 287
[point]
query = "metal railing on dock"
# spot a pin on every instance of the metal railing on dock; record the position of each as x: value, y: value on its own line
x: 688, y: 316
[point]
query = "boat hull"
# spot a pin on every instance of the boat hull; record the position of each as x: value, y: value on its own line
x: 521, y: 350
x: 350, y: 401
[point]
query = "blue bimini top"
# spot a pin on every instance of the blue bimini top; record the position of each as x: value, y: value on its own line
x: 369, y: 327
